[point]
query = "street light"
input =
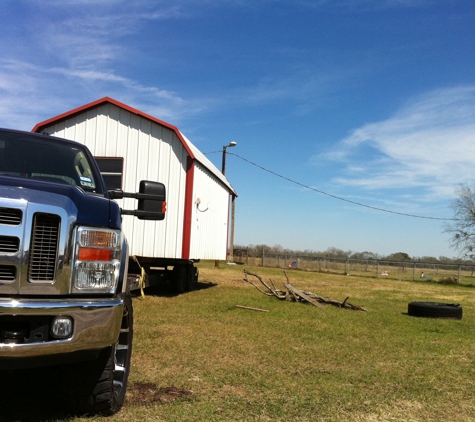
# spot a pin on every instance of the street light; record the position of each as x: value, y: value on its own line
x: 225, y: 147
x: 223, y: 170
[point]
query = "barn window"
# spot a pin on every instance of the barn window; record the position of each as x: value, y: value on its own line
x: 111, y: 170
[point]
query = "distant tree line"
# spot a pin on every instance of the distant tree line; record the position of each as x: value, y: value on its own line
x: 461, y: 228
x: 332, y: 252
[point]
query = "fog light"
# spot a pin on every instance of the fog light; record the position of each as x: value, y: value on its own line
x: 62, y: 327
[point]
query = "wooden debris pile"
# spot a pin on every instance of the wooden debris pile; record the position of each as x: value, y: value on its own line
x: 295, y: 295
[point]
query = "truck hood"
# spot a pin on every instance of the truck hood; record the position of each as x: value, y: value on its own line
x: 91, y: 210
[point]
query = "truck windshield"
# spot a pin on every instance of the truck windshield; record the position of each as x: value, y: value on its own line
x: 49, y: 160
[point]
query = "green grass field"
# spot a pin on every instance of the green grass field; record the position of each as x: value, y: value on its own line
x: 298, y: 362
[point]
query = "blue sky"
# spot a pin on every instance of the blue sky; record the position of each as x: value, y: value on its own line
x: 372, y: 101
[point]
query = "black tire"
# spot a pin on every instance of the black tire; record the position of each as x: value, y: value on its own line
x: 197, y: 276
x: 435, y: 310
x: 179, y: 278
x: 191, y: 277
x: 108, y: 391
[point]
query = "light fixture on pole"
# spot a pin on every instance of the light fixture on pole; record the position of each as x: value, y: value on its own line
x: 225, y: 147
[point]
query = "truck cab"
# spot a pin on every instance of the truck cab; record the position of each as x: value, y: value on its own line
x: 63, y: 265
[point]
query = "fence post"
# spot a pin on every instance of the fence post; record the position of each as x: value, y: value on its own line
x: 460, y: 273
x: 262, y: 256
x: 347, y: 266
x: 414, y: 272
x: 377, y: 269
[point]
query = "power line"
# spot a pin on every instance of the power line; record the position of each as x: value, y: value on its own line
x: 334, y: 196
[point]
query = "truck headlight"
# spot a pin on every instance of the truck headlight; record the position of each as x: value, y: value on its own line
x: 96, y: 260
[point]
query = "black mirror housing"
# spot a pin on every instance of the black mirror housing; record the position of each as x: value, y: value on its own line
x: 152, y: 200
x: 152, y: 206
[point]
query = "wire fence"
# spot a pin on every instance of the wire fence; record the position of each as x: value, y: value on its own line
x: 380, y: 268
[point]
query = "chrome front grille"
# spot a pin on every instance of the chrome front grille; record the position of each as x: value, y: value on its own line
x: 7, y: 273
x: 10, y: 216
x: 44, y: 247
x: 9, y: 244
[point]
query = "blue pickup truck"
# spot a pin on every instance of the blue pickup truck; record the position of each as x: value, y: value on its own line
x: 64, y: 297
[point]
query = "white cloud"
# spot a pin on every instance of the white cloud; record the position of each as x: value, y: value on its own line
x: 429, y: 143
x: 31, y: 93
x: 66, y: 58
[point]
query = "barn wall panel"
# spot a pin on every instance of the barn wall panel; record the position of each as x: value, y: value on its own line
x: 209, y: 217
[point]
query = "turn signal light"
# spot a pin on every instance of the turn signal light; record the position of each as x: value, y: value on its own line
x: 93, y: 254
x: 98, y: 238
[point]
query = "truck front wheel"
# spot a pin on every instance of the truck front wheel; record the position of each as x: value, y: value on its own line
x: 108, y: 393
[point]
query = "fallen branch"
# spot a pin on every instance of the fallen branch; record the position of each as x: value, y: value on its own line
x: 279, y: 294
x: 251, y: 309
x: 296, y: 292
x: 296, y: 295
x: 345, y: 304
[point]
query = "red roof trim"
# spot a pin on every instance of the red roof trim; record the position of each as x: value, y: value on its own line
x: 40, y: 126
x: 190, y: 175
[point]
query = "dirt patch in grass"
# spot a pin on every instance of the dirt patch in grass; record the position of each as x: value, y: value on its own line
x: 146, y: 393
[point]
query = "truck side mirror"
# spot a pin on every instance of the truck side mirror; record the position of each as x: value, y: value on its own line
x: 153, y: 206
x: 152, y: 200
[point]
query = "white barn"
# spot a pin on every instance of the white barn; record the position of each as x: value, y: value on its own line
x: 130, y: 146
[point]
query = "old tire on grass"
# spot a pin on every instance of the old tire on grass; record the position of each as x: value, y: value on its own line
x: 179, y: 278
x: 107, y: 394
x: 435, y: 310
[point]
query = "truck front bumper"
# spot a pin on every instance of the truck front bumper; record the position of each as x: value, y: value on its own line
x: 96, y: 325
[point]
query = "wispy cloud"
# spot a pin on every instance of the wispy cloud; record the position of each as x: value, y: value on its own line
x: 31, y: 93
x: 71, y: 58
x: 429, y: 143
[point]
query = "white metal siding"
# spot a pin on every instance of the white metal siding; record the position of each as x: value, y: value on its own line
x: 209, y: 227
x: 205, y: 163
x: 151, y: 152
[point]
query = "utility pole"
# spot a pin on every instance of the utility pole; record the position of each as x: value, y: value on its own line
x: 233, y: 204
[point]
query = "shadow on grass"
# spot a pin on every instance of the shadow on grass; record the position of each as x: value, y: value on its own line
x: 205, y: 285
x: 166, y: 289
x: 32, y: 396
